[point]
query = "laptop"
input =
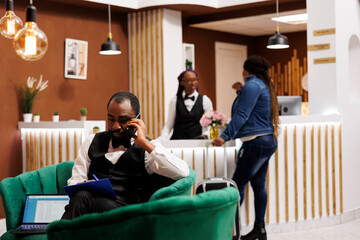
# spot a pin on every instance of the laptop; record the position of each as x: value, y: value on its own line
x: 39, y: 211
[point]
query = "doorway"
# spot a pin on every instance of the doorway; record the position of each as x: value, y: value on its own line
x: 229, y: 60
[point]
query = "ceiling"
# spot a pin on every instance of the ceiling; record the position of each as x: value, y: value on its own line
x: 259, y: 25
x: 245, y: 17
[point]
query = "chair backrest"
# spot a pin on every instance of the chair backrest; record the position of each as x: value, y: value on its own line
x: 208, y: 215
x: 47, y: 180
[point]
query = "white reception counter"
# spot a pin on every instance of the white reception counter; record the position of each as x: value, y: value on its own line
x: 304, y: 179
x: 47, y: 143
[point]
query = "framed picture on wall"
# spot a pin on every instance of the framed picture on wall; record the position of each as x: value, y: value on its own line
x: 76, y: 58
x: 188, y: 56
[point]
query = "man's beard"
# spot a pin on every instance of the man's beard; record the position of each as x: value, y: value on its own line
x: 123, y: 139
x: 122, y: 134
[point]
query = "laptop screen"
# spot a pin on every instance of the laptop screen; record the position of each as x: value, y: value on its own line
x: 44, y: 208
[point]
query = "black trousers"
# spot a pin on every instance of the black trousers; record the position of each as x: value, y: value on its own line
x: 84, y: 202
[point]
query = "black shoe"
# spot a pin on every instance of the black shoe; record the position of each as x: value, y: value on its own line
x: 258, y: 233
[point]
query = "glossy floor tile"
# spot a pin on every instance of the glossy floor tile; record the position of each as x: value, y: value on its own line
x: 345, y: 231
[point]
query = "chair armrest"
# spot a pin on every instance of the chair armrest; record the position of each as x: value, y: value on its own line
x: 180, y: 187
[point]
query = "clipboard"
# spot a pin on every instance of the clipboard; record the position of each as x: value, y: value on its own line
x: 102, y: 187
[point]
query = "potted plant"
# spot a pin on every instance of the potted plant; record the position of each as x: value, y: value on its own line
x: 96, y: 129
x: 55, y: 116
x: 36, y: 117
x: 28, y: 94
x: 83, y: 112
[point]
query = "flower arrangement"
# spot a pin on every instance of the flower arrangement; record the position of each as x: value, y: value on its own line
x: 30, y: 91
x: 212, y: 118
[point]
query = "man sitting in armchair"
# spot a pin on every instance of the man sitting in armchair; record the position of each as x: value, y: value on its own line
x: 126, y: 159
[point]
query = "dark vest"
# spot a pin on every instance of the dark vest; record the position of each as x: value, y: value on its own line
x: 128, y: 176
x: 187, y: 123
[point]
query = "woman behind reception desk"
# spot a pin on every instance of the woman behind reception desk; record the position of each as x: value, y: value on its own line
x: 254, y: 119
x: 186, y: 109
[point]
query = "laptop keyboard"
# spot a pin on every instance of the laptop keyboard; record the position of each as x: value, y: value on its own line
x: 33, y: 227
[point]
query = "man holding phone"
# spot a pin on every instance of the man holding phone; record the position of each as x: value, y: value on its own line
x: 124, y: 155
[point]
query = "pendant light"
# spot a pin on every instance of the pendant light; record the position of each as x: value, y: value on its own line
x: 30, y: 42
x: 277, y: 41
x: 10, y: 24
x: 110, y: 47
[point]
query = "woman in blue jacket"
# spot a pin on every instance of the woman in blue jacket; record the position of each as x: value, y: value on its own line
x: 254, y: 119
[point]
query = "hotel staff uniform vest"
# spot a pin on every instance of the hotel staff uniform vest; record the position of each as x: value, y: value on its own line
x: 187, y: 124
x: 128, y: 175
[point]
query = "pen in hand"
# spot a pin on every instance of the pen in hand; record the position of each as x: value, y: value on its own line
x: 96, y: 179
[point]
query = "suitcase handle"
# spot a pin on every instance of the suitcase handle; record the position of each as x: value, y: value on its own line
x: 208, y: 144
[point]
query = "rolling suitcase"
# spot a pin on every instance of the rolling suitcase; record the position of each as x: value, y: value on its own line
x: 212, y: 183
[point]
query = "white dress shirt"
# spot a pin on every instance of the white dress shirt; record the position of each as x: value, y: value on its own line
x: 166, y: 132
x: 159, y: 161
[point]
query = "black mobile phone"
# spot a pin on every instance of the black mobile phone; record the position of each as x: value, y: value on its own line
x: 131, y: 130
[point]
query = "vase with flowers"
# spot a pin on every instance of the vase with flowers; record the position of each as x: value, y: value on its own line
x: 28, y: 94
x: 213, y: 119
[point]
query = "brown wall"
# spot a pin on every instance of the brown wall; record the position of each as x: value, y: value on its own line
x: 204, y: 41
x: 105, y: 75
x: 297, y: 41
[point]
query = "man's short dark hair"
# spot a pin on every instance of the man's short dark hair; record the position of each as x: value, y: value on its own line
x: 119, y: 97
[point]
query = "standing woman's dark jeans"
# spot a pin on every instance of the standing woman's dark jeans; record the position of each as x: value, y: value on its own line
x: 252, y: 165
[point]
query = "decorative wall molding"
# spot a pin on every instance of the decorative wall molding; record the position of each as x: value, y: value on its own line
x: 146, y: 66
x: 288, y: 78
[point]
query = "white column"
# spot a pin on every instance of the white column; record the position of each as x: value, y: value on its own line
x: 347, y: 17
x: 336, y: 86
x: 172, y: 53
x: 322, y: 77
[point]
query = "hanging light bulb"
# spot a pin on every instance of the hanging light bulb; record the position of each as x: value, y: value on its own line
x: 110, y: 47
x: 277, y: 41
x: 10, y: 24
x: 30, y: 42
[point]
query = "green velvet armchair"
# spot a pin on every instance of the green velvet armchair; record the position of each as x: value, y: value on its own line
x: 51, y: 179
x: 207, y: 216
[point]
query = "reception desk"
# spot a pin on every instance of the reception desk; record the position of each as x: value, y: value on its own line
x: 47, y: 143
x: 304, y: 179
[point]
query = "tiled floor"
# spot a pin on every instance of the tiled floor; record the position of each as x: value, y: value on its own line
x: 346, y: 231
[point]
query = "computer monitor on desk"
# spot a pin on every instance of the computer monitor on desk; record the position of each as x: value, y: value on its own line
x: 289, y: 105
